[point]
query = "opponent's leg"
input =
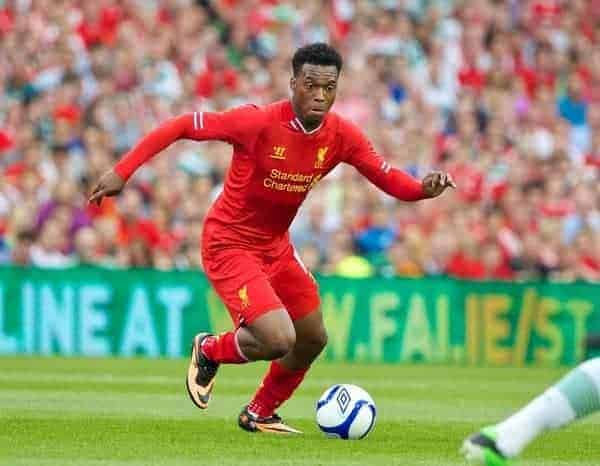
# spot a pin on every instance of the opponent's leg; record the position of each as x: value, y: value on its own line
x: 575, y: 396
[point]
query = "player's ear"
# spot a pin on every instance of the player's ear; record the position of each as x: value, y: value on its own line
x: 293, y: 83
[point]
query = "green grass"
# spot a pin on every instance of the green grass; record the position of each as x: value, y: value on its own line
x: 89, y: 412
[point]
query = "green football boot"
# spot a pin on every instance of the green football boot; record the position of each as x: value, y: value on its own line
x: 480, y: 448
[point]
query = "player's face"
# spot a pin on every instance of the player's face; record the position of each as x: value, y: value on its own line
x: 314, y: 92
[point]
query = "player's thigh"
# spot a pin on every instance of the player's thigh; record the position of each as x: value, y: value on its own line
x: 274, y: 329
x: 296, y: 287
x: 311, y: 327
x: 241, y: 283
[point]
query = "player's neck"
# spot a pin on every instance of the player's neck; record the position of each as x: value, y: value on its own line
x: 307, y: 126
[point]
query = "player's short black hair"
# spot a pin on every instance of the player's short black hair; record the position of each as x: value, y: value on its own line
x: 318, y: 53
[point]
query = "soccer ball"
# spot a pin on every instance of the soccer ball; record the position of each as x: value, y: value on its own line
x: 346, y: 411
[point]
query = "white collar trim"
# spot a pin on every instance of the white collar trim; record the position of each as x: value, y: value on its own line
x: 296, y: 123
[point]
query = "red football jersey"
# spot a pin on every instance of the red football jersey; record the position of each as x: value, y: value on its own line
x: 276, y: 162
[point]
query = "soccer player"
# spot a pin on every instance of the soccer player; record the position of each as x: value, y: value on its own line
x: 575, y: 396
x: 280, y: 151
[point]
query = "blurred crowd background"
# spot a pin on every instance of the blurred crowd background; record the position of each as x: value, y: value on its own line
x: 502, y: 94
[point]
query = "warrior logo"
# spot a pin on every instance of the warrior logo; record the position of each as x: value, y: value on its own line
x: 278, y: 153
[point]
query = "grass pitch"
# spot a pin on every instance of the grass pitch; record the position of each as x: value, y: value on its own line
x: 89, y: 412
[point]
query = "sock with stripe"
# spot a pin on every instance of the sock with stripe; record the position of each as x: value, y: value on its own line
x: 277, y: 387
x: 223, y: 349
x: 575, y: 396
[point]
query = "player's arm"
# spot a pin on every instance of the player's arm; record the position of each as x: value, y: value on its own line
x: 239, y: 126
x: 393, y: 181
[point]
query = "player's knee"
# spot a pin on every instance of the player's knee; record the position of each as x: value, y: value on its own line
x: 281, y: 343
x: 319, y: 340
x: 312, y: 344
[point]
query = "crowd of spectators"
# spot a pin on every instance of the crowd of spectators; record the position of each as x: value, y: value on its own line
x: 502, y: 94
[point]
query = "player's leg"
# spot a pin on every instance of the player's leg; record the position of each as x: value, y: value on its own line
x: 298, y: 291
x: 265, y: 330
x: 268, y: 337
x: 574, y: 396
x: 286, y: 374
x: 311, y: 339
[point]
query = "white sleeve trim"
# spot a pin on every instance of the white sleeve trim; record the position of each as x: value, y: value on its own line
x: 198, y: 120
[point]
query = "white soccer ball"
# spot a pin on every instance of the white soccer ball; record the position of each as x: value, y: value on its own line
x: 346, y: 411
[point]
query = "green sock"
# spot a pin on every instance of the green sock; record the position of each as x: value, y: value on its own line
x: 576, y: 395
x: 581, y: 387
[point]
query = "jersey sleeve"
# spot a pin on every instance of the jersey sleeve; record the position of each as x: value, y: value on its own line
x: 239, y: 127
x: 395, y: 182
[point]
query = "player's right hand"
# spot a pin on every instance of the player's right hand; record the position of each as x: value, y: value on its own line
x: 110, y: 184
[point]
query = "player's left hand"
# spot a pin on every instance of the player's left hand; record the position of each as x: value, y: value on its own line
x: 436, y: 182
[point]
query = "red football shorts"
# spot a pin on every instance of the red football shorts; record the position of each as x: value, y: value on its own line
x: 251, y: 284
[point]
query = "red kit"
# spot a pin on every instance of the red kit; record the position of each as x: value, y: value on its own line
x: 246, y: 250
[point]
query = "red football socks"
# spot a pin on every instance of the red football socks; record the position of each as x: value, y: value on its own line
x: 277, y: 386
x: 223, y: 349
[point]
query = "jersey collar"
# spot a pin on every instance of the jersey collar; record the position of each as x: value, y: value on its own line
x: 294, y: 123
